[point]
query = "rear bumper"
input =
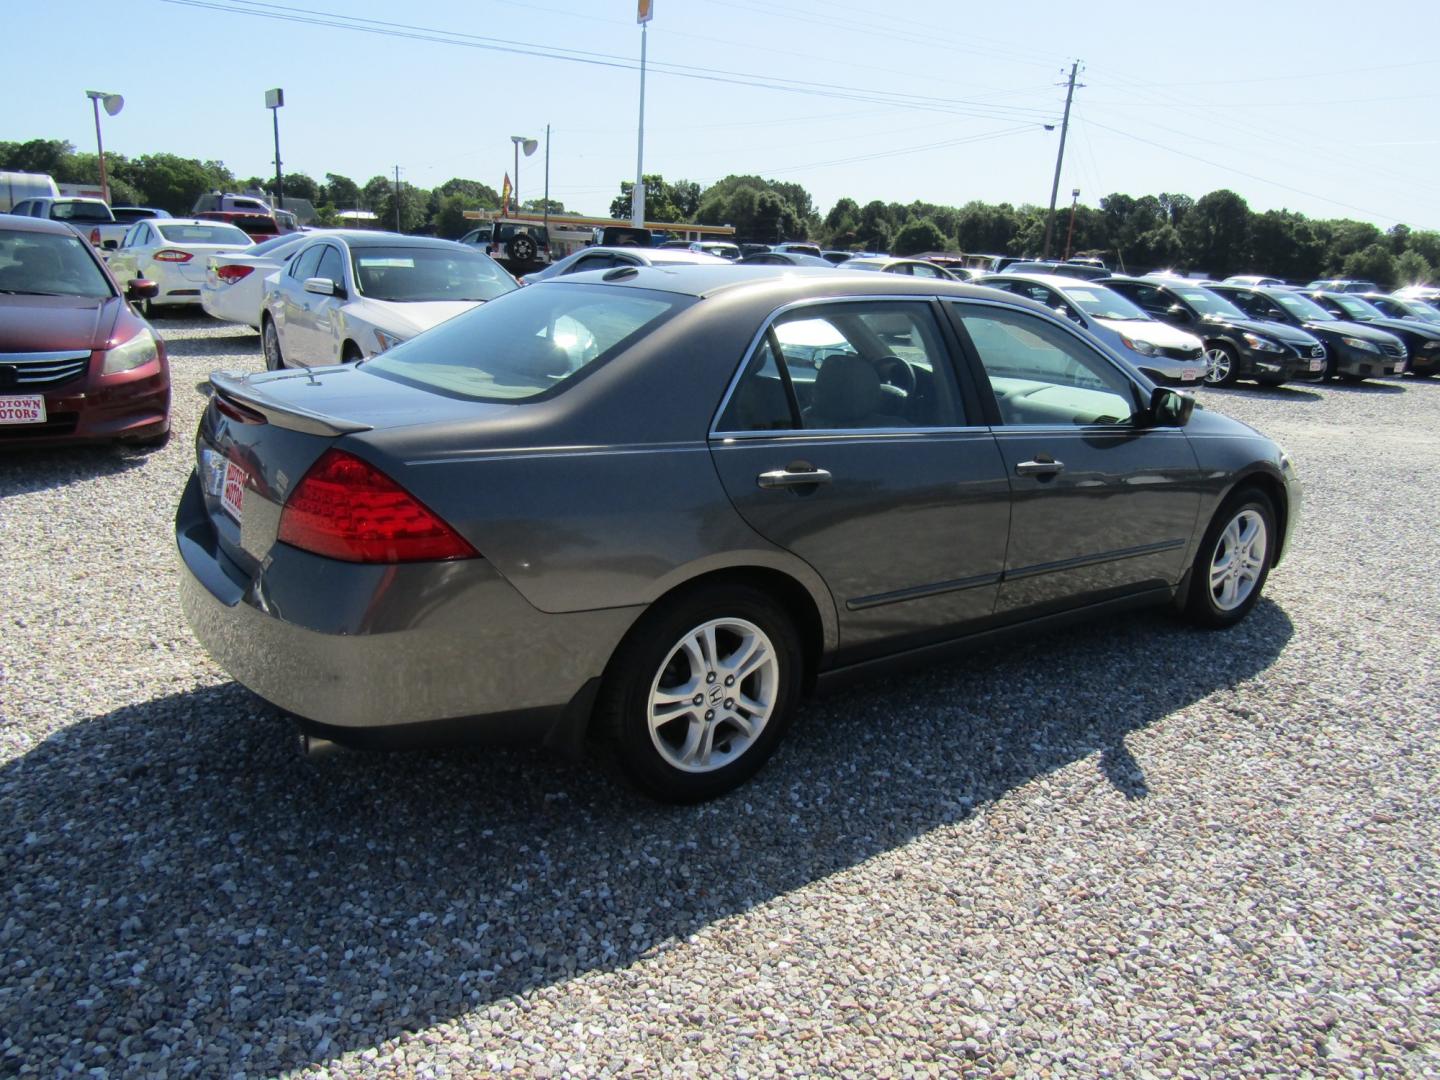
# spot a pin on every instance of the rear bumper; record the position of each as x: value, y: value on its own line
x: 400, y: 655
x: 131, y: 405
x: 231, y: 304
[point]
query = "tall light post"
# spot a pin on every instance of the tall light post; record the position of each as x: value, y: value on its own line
x: 273, y: 100
x: 113, y: 104
x: 529, y: 145
x: 1070, y: 233
x: 644, y: 12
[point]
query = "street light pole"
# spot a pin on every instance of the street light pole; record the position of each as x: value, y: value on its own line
x: 522, y: 142
x: 1070, y: 233
x: 1059, y: 158
x: 273, y: 100
x: 113, y: 104
x: 644, y: 13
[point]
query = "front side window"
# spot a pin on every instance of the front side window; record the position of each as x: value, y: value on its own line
x: 534, y: 341
x: 331, y: 266
x: 846, y: 367
x: 1041, y: 375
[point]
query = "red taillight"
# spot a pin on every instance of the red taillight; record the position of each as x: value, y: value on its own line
x: 345, y: 508
x: 95, y: 236
x: 171, y: 255
x: 231, y: 273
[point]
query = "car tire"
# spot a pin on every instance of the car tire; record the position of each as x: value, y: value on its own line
x: 270, y: 346
x: 686, y: 749
x: 1224, y: 365
x: 1229, y: 572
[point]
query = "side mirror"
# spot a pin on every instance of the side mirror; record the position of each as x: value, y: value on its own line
x: 1170, y: 408
x: 323, y: 286
x: 1274, y: 314
x: 140, y: 289
x: 1178, y: 313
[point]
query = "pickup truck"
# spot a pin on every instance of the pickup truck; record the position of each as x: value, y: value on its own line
x: 91, y: 218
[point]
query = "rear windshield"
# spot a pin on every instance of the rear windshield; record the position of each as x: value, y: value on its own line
x: 532, y: 342
x: 41, y: 264
x: 203, y: 234
x: 266, y: 246
x: 81, y: 211
x: 419, y: 274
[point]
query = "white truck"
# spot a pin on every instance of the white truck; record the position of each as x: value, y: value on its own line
x: 17, y: 186
x: 91, y: 218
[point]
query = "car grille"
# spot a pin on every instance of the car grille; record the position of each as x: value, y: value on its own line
x: 40, y: 370
x: 1390, y: 348
x: 1175, y: 352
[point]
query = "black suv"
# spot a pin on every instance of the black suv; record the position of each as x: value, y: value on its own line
x: 1356, y: 351
x: 1237, y: 346
x: 522, y: 247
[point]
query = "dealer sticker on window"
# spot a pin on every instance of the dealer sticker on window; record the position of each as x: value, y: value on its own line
x: 29, y: 409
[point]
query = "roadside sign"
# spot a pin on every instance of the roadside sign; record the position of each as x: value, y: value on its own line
x: 645, y: 12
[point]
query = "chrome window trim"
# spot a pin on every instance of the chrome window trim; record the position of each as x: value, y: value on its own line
x: 44, y: 357
x: 716, y: 432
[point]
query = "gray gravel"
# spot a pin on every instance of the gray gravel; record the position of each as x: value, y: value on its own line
x: 1129, y: 850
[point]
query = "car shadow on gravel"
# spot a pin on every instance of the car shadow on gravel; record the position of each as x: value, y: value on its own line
x: 27, y: 470
x: 1268, y: 393
x: 1368, y: 387
x: 174, y: 877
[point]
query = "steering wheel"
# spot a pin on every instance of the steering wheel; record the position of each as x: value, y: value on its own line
x: 521, y: 248
x: 896, y: 375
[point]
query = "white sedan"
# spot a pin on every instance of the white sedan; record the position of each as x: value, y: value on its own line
x: 234, y: 288
x: 174, y: 253
x: 350, y: 294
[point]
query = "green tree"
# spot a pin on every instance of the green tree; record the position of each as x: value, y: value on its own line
x: 1426, y: 244
x: 920, y: 234
x: 985, y: 228
x: 660, y: 200
x: 36, y: 156
x: 448, y: 216
x: 297, y: 186
x: 541, y: 206
x: 1373, y: 263
x: 1283, y: 243
x: 173, y: 183
x: 340, y: 192
x: 1412, y: 269
x: 479, y: 196
x: 1216, y: 232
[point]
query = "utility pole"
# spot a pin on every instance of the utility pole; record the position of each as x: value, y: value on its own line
x: 1059, y: 159
x: 644, y: 13
x: 397, y: 198
x: 274, y: 101
x: 546, y: 204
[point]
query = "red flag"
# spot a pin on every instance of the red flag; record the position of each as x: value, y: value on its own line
x: 505, y: 196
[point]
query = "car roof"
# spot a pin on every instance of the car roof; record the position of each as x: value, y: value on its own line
x: 20, y: 223
x: 1055, y: 281
x: 361, y: 238
x: 708, y: 280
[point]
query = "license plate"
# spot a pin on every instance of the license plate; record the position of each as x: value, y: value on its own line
x: 29, y: 409
x: 232, y: 492
x: 1188, y: 374
x: 1317, y: 365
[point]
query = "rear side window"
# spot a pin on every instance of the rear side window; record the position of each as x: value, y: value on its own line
x: 847, y: 367
x: 529, y: 343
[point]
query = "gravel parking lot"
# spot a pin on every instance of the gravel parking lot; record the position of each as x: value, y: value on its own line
x: 1132, y: 849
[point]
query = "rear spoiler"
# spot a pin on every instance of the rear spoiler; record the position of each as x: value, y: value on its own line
x: 234, y: 388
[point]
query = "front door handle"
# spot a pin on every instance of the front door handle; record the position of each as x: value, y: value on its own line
x: 1042, y: 465
x: 793, y: 477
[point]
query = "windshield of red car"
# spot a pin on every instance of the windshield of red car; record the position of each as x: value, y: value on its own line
x: 44, y: 264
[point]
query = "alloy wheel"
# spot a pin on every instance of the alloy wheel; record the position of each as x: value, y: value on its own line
x: 270, y: 345
x: 1238, y: 559
x: 1220, y: 365
x: 713, y: 695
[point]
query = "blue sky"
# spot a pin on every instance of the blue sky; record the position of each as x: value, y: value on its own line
x: 1324, y: 109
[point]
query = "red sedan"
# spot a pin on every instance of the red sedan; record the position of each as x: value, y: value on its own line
x: 77, y: 364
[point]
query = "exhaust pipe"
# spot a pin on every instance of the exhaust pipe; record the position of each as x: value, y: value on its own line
x: 312, y: 747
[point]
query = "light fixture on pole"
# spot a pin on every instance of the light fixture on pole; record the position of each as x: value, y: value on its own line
x: 644, y: 12
x: 529, y: 145
x: 273, y: 100
x: 1070, y: 233
x: 113, y: 104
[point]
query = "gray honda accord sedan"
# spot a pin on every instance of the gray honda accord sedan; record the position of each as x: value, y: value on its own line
x: 663, y: 504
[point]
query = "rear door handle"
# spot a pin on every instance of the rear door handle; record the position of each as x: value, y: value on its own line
x: 1042, y: 465
x: 788, y: 478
